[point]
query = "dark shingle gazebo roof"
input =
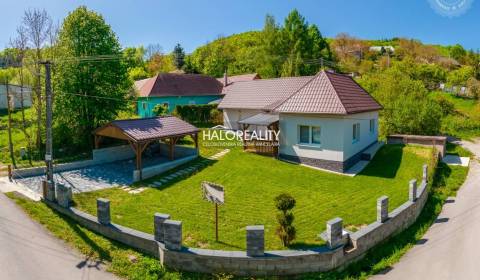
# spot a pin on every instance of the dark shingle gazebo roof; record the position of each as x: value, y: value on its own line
x: 140, y: 130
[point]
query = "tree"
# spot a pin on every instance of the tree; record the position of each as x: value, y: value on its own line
x: 285, y: 230
x: 37, y: 25
x: 5, y: 76
x: 460, y: 76
x: 407, y: 109
x: 88, y: 92
x: 134, y: 58
x: 178, y: 56
x: 458, y: 53
x: 20, y: 46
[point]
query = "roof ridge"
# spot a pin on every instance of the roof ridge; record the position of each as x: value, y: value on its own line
x: 295, y: 92
x: 335, y: 90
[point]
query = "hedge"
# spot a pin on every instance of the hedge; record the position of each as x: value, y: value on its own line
x: 205, y: 113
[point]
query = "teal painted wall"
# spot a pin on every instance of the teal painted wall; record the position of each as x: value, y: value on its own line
x: 146, y: 104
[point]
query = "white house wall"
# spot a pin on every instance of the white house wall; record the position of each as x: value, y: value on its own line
x: 332, y: 137
x: 232, y: 116
x: 366, y: 138
x: 15, y: 91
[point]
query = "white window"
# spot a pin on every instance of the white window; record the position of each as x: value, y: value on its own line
x: 144, y: 105
x: 356, y: 133
x: 309, y: 135
x: 372, y: 126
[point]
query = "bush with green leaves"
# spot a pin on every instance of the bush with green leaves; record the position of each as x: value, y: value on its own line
x: 160, y: 110
x: 202, y: 113
x: 285, y: 230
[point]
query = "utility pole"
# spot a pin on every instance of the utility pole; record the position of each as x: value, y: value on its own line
x: 48, y: 107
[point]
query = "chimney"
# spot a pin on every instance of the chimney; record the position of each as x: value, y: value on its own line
x: 225, y: 78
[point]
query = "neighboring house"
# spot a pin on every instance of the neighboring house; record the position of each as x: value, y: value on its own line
x: 382, y: 48
x: 228, y: 80
x: 325, y: 121
x: 15, y: 91
x: 171, y: 89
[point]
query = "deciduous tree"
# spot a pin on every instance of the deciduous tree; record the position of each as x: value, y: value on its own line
x: 91, y: 81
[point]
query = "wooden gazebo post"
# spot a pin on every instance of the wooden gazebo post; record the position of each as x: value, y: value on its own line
x: 195, y: 139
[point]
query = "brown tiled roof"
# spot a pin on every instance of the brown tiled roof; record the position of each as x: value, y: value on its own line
x: 239, y: 78
x: 324, y: 93
x: 153, y: 128
x: 172, y: 84
x: 258, y: 94
x: 330, y: 93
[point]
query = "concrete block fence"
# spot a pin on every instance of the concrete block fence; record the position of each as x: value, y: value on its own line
x: 166, y: 243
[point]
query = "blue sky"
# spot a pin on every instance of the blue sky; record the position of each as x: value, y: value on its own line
x: 192, y: 23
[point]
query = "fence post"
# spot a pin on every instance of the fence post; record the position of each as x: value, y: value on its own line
x: 49, y: 191
x: 103, y: 211
x: 64, y: 195
x: 334, y: 233
x: 173, y: 234
x: 158, y: 223
x: 425, y: 173
x: 382, y: 209
x: 255, y: 241
x: 412, y: 192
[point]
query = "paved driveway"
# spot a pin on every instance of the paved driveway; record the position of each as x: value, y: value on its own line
x: 27, y: 251
x: 451, y: 248
x: 95, y: 177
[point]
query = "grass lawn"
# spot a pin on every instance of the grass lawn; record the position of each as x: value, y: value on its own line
x: 251, y: 182
x: 446, y: 182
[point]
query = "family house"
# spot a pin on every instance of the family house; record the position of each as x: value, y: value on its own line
x: 326, y: 121
x: 172, y: 89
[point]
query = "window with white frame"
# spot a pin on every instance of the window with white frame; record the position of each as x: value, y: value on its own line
x: 144, y: 105
x: 309, y: 135
x: 356, y: 133
x: 372, y: 126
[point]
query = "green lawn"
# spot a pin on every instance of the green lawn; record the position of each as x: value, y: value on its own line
x: 252, y: 181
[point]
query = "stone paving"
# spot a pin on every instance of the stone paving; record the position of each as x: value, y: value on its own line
x: 92, y: 178
x: 185, y: 172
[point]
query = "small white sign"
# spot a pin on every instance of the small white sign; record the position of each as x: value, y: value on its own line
x: 213, y: 192
x: 48, y: 157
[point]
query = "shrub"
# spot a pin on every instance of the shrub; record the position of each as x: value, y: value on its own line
x: 285, y: 230
x: 160, y: 110
x: 197, y: 113
x: 447, y: 107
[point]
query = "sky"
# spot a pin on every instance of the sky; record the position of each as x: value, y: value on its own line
x: 193, y: 23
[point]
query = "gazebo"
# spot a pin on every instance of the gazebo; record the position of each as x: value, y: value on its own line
x: 139, y: 133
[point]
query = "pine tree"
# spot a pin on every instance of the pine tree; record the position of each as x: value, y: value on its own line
x: 178, y: 56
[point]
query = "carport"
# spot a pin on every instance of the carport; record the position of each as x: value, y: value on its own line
x: 139, y: 133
